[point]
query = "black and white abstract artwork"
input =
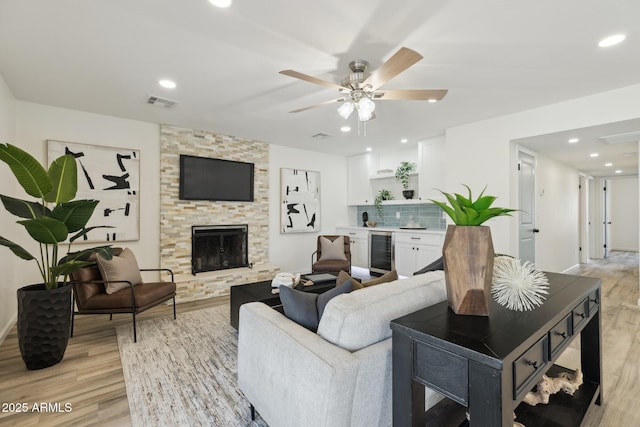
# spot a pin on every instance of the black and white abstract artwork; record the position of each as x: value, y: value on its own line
x: 111, y: 176
x: 300, y: 201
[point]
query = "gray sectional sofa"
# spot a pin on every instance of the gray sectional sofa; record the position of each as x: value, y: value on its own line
x: 339, y: 376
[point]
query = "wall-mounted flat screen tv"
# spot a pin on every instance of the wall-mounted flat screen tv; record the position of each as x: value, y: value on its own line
x: 204, y: 178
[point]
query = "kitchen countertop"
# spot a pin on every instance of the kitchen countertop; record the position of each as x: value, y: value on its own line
x: 396, y: 229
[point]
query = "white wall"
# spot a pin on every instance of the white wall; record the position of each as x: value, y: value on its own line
x: 557, y: 213
x: 624, y: 213
x: 292, y: 252
x: 8, y: 284
x: 36, y: 123
x: 481, y: 153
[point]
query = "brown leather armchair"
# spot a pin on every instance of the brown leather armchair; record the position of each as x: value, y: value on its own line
x: 91, y: 296
x: 329, y: 263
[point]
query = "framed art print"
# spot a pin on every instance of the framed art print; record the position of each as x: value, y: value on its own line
x: 300, y: 201
x: 111, y: 176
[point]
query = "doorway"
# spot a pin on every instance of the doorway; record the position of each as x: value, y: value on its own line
x: 526, y: 205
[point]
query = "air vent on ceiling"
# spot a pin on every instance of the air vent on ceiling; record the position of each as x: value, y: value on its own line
x: 321, y: 135
x: 161, y: 102
x: 621, y: 138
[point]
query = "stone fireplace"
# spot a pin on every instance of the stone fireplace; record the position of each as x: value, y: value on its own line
x: 177, y: 217
x: 218, y: 247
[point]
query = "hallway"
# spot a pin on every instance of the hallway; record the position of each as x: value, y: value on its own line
x: 620, y: 318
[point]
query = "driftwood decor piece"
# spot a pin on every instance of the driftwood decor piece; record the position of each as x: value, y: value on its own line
x: 468, y: 256
x: 565, y: 382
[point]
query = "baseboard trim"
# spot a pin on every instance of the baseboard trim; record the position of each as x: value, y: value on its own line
x: 7, y: 328
x: 571, y: 269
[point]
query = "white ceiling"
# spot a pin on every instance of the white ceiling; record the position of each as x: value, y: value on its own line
x: 495, y: 56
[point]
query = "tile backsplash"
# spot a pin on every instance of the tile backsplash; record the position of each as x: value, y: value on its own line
x: 423, y: 215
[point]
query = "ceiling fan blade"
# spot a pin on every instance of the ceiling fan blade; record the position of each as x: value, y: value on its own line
x: 410, y: 94
x: 331, y: 101
x: 307, y: 78
x: 400, y: 61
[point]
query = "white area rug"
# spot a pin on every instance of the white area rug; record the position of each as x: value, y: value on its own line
x: 183, y: 372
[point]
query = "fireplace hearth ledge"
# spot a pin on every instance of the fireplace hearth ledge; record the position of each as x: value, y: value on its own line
x: 211, y: 284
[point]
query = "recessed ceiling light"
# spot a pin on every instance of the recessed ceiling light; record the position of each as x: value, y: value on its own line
x: 220, y: 3
x: 611, y: 40
x: 618, y: 171
x: 369, y: 149
x: 345, y: 128
x: 608, y: 164
x: 432, y: 100
x: 404, y: 140
x: 573, y: 140
x: 169, y: 84
x: 594, y: 155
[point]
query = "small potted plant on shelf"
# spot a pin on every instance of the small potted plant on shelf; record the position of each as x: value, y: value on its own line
x: 44, y: 309
x: 467, y: 252
x: 382, y: 195
x: 402, y: 175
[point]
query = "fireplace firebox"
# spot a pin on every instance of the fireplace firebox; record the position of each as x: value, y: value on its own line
x: 218, y: 247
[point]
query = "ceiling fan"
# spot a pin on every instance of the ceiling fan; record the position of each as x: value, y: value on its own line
x: 359, y: 90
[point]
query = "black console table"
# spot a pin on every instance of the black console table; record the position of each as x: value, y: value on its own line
x: 488, y: 364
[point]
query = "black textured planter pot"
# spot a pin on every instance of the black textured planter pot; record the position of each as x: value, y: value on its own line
x: 408, y: 194
x: 44, y: 324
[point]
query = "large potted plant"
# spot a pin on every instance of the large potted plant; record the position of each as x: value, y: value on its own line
x: 468, y: 253
x: 44, y: 309
x: 402, y: 175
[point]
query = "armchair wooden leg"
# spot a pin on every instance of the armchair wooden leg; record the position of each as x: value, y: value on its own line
x: 174, y: 308
x: 253, y: 413
x: 110, y: 316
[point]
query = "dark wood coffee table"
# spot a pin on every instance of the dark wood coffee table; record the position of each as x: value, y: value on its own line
x: 261, y: 291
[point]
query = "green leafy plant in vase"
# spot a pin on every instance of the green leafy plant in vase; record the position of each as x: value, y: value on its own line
x: 467, y: 251
x: 466, y: 211
x: 382, y: 195
x: 44, y: 309
x: 402, y: 175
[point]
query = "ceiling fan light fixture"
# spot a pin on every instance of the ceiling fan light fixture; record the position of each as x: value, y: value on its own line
x: 345, y: 109
x: 365, y: 108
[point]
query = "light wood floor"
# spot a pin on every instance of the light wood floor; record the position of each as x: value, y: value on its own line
x: 90, y: 376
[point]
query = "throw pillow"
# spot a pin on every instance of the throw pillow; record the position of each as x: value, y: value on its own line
x: 123, y: 267
x: 387, y: 277
x: 435, y: 265
x: 343, y: 276
x: 324, y: 298
x: 332, y: 250
x: 300, y: 307
x: 306, y: 308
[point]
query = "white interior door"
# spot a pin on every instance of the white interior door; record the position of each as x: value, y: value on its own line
x: 583, y: 220
x: 606, y: 222
x: 527, y: 206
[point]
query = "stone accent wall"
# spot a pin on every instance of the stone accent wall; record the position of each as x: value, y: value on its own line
x: 177, y: 216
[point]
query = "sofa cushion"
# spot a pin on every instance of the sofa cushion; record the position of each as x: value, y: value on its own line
x: 332, y: 250
x: 122, y: 267
x: 306, y: 308
x: 361, y: 318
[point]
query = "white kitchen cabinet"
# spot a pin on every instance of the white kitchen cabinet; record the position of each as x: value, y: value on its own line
x: 359, y: 245
x: 431, y: 153
x: 416, y: 250
x: 358, y: 185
